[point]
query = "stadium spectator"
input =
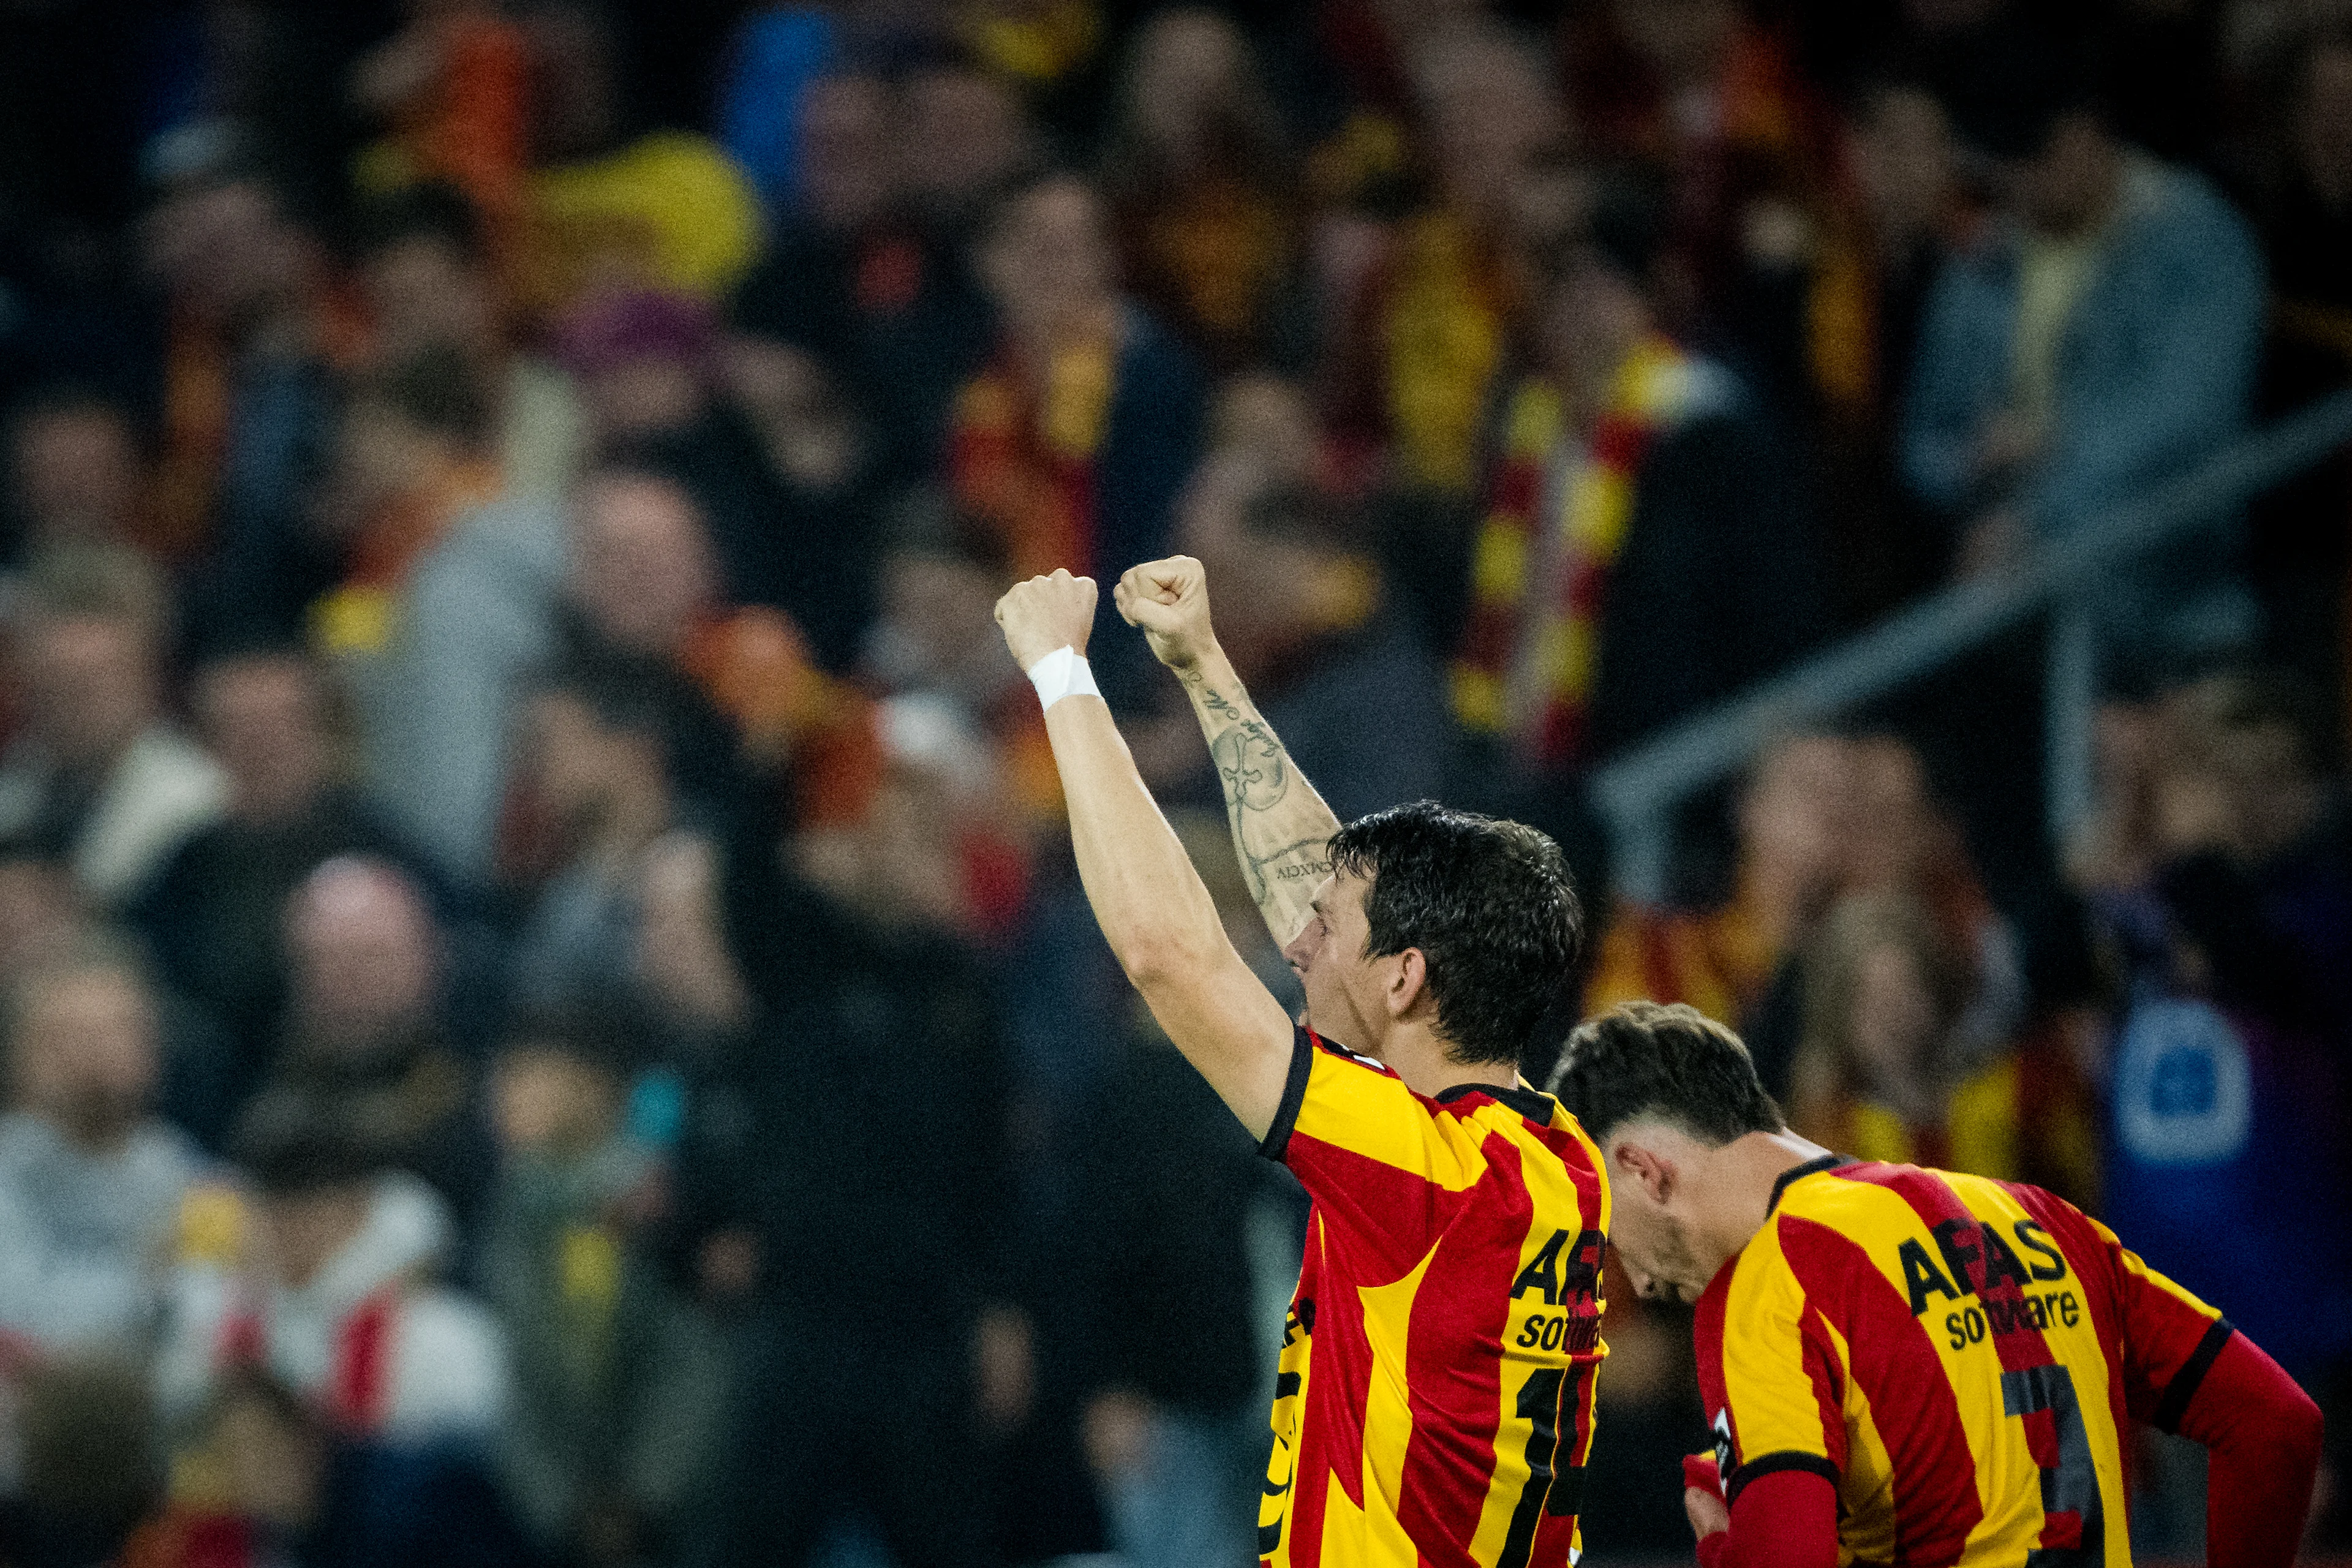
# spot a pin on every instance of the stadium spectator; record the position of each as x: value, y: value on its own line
x: 1172, y: 1429
x: 596, y: 764
x: 266, y: 1479
x: 1914, y: 204
x: 329, y: 1291
x: 967, y: 133
x: 2220, y: 870
x: 938, y: 589
x: 93, y: 1188
x: 612, y: 205
x: 214, y: 915
x: 41, y: 915
x: 1647, y: 548
x: 1072, y: 443
x: 617, y: 1383
x: 1735, y: 962
x: 1761, y: 258
x: 256, y: 335
x: 425, y: 273
x: 77, y: 473
x: 452, y: 90
x: 1887, y: 1072
x: 650, y: 368
x: 1200, y: 186
x: 812, y: 555
x: 643, y: 359
x: 643, y: 600
x: 96, y: 775
x: 871, y: 274
x: 477, y: 617
x: 367, y: 1023
x: 1429, y: 330
x: 2099, y: 338
x: 412, y: 461
x: 816, y: 1242
x: 1271, y: 420
x: 776, y: 54
x: 2302, y: 201
x: 1900, y: 839
x: 1165, y: 1188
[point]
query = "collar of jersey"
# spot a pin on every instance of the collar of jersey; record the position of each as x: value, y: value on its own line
x: 1796, y: 1172
x: 1532, y: 1103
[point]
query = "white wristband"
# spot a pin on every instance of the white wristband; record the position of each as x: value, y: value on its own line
x: 1062, y: 673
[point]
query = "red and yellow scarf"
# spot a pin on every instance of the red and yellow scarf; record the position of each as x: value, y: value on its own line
x: 1024, y: 464
x: 1540, y: 575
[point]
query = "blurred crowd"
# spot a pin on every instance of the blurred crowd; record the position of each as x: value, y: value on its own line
x: 547, y: 1015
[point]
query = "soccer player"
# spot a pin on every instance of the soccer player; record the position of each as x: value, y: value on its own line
x: 1434, y: 1402
x: 1906, y: 1367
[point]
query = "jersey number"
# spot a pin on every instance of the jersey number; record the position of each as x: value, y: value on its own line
x: 2070, y: 1489
x: 1549, y: 1400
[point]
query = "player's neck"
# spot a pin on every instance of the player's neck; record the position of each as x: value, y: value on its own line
x: 1419, y: 1057
x: 1745, y: 1178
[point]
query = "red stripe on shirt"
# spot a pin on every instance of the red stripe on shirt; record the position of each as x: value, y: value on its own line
x: 1453, y: 1361
x: 1901, y: 1373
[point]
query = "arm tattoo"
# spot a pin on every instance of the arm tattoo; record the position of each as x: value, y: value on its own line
x: 1281, y: 830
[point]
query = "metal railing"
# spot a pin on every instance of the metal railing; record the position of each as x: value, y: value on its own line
x: 1639, y: 793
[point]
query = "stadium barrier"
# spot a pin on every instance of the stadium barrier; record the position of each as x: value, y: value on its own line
x: 1638, y: 794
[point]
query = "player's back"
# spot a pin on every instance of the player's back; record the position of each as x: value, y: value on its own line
x: 1958, y: 1355
x: 1435, y: 1402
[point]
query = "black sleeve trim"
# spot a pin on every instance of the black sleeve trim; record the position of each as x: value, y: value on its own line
x: 1768, y: 1464
x: 1294, y: 1095
x: 2183, y: 1386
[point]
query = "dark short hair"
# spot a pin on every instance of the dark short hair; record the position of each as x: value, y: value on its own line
x: 1665, y: 1060
x: 1488, y: 903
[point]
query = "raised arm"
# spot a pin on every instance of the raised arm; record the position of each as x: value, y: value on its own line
x: 1282, y: 829
x: 1159, y: 920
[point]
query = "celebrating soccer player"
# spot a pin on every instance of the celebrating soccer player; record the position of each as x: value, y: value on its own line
x: 1906, y: 1367
x: 1434, y: 1402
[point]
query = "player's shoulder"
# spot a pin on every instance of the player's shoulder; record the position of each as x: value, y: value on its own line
x: 1535, y: 1122
x: 1833, y: 1189
x: 1823, y: 1219
x: 1332, y: 1051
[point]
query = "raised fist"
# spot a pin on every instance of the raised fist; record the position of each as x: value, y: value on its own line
x: 1169, y: 601
x: 1044, y: 614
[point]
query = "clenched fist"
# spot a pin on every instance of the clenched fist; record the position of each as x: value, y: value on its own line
x: 1169, y: 601
x: 1044, y: 614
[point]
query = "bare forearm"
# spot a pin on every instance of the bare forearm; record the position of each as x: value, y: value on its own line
x: 1145, y: 893
x: 1160, y: 922
x: 1282, y: 829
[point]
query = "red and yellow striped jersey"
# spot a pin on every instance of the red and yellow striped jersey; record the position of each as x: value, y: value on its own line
x: 1435, y: 1402
x: 1958, y: 1356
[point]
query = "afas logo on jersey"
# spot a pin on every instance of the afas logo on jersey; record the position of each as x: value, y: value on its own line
x: 1567, y: 1276
x: 1979, y: 1260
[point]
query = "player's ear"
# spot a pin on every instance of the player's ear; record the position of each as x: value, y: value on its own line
x: 1645, y: 1167
x: 1408, y: 981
